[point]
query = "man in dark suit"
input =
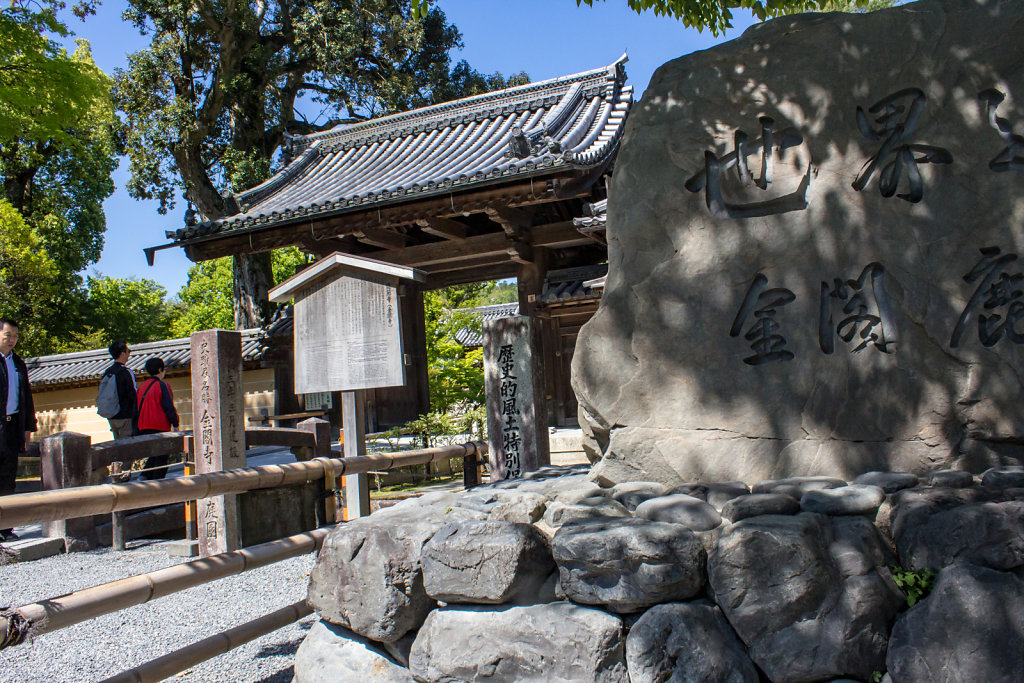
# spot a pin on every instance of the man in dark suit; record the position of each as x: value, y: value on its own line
x: 17, y: 413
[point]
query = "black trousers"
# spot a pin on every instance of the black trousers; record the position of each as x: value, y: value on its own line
x: 155, y: 461
x: 10, y: 446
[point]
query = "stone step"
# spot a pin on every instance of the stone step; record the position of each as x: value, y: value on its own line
x: 28, y: 549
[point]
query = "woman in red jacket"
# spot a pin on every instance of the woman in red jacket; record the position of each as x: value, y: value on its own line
x: 156, y: 413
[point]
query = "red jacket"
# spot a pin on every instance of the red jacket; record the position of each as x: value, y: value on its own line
x: 156, y: 406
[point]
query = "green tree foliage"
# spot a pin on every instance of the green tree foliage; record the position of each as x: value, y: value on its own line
x: 128, y: 308
x: 205, y: 302
x: 57, y: 152
x: 27, y: 275
x: 499, y: 292
x: 43, y: 91
x: 454, y: 373
x: 855, y: 6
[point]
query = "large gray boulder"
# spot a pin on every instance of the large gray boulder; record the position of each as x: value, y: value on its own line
x: 368, y: 575
x: 970, y: 628
x: 485, y: 562
x: 553, y: 643
x: 627, y: 565
x: 814, y: 317
x: 987, y: 534
x: 686, y: 643
x: 811, y: 596
x: 331, y: 653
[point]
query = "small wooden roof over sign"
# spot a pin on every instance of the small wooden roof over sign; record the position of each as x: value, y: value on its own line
x: 343, y: 264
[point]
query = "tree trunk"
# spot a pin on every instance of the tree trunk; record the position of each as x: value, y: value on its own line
x: 253, y: 279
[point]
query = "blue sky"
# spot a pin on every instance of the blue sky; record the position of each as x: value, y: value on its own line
x: 545, y: 38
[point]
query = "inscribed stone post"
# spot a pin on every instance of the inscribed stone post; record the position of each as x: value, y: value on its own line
x: 517, y: 421
x: 219, y: 430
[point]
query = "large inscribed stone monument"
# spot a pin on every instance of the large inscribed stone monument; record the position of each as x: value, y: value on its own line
x: 814, y: 237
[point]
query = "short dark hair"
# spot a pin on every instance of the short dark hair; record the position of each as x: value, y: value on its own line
x: 154, y: 366
x: 8, y: 321
x: 116, y: 348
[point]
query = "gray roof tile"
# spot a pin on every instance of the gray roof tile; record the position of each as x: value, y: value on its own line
x: 176, y: 353
x: 573, y: 122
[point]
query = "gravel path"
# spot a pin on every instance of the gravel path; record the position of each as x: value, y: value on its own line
x: 107, y: 645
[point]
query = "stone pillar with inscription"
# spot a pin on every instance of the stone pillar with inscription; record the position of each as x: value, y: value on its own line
x: 219, y: 429
x: 517, y: 422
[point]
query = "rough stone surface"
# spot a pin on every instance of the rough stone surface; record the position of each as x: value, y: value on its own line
x: 524, y: 508
x: 715, y: 494
x: 557, y: 643
x: 987, y: 534
x: 810, y: 595
x: 1003, y: 478
x: 557, y: 514
x: 662, y: 383
x: 858, y: 499
x: 760, y: 504
x: 632, y: 493
x: 954, y: 479
x: 627, y: 565
x: 331, y: 653
x: 485, y: 562
x: 970, y: 628
x: 368, y: 575
x: 890, y: 482
x: 680, y: 508
x: 686, y: 643
x: 797, y: 486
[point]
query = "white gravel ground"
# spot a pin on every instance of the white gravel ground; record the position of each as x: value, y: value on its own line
x: 107, y: 645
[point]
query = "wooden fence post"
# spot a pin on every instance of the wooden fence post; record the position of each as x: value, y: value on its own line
x: 321, y: 431
x: 66, y: 462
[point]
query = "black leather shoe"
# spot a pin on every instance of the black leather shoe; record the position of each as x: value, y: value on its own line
x: 8, y: 535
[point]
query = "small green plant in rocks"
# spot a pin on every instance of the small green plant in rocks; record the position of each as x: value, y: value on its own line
x: 916, y: 584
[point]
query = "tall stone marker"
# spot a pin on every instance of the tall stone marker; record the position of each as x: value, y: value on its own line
x: 517, y: 416
x: 815, y: 235
x: 219, y: 431
x: 348, y: 338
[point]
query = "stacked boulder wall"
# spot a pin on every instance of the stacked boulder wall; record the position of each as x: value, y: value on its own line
x: 842, y: 304
x: 803, y: 596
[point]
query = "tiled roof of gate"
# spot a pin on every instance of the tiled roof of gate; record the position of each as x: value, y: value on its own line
x: 469, y: 337
x: 573, y: 122
x: 595, y: 218
x: 571, y: 284
x: 84, y: 366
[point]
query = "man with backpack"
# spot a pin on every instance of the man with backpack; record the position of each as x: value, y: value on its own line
x: 116, y: 399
